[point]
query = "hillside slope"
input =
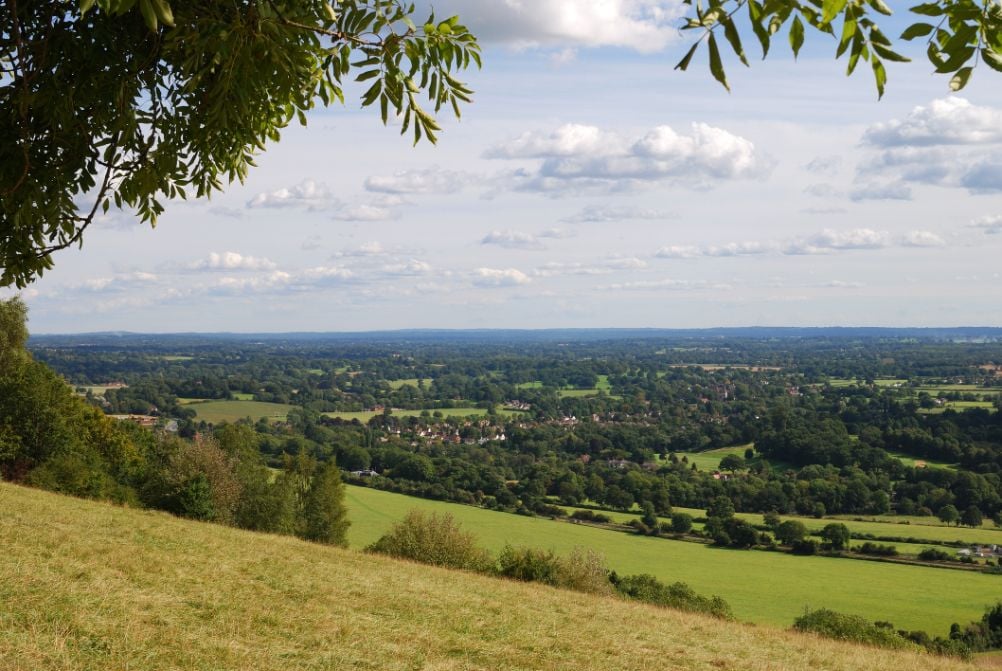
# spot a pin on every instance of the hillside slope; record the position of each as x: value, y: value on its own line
x: 85, y: 585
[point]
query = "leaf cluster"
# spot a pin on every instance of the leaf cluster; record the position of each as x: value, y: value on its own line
x: 130, y: 103
x: 959, y: 33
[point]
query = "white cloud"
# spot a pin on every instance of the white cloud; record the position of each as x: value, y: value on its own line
x: 555, y: 268
x: 990, y: 225
x: 641, y: 25
x: 372, y: 248
x: 922, y: 239
x: 512, y: 240
x: 564, y: 56
x: 411, y: 268
x: 830, y: 240
x: 232, y: 261
x: 841, y: 284
x: 557, y: 234
x: 308, y: 194
x: 496, y: 277
x: 364, y: 213
x: 587, y: 158
x: 739, y: 249
x: 624, y: 263
x: 669, y: 284
x: 949, y: 121
x: 679, y: 252
x: 228, y: 212
x: 607, y: 214
x: 429, y: 181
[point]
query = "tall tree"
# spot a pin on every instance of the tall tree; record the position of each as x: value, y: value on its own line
x: 325, y: 517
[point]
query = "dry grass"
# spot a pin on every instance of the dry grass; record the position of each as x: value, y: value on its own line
x: 90, y: 586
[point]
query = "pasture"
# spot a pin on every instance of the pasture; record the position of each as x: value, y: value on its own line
x: 231, y: 411
x: 762, y: 587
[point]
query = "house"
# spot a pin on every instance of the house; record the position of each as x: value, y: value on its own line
x: 365, y: 473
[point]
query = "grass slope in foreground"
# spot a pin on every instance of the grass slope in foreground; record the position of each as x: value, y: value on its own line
x: 86, y: 585
x: 763, y: 587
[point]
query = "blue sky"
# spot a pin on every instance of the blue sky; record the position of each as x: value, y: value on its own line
x: 589, y: 185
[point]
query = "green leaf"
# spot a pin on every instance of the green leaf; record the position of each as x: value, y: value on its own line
x: 879, y: 76
x: 888, y: 54
x: 881, y: 7
x: 959, y: 80
x: 149, y: 16
x: 916, y: 30
x: 731, y: 33
x: 716, y: 66
x: 85, y: 6
x: 684, y: 63
x: 796, y: 35
x: 832, y: 8
x: 992, y: 59
x: 928, y: 9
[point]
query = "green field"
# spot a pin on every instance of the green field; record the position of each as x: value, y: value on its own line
x: 177, y: 358
x: 242, y: 397
x: 529, y: 385
x: 397, y: 384
x: 762, y: 587
x: 97, y: 389
x: 710, y: 460
x: 929, y: 463
x: 231, y: 411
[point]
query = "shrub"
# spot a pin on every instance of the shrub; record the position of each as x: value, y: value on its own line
x: 877, y: 549
x: 681, y: 523
x: 831, y: 624
x: 581, y: 571
x: 804, y: 547
x: 433, y: 539
x: 933, y: 554
x: 678, y: 595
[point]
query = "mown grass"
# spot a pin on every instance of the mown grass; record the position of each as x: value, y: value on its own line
x: 231, y: 411
x: 710, y: 460
x: 762, y: 587
x: 87, y: 586
x: 398, y: 384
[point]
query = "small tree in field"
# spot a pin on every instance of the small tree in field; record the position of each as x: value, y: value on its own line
x: 325, y: 518
x: 837, y: 535
x: 972, y: 517
x: 948, y: 514
x: 790, y: 531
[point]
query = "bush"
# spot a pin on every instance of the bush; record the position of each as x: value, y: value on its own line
x: 932, y: 554
x: 433, y: 539
x: 590, y: 516
x: 877, y: 549
x: 804, y: 547
x: 840, y: 626
x: 678, y: 595
x: 581, y: 571
x: 681, y: 523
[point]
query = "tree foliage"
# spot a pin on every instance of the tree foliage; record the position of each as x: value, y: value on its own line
x: 958, y: 33
x: 126, y: 104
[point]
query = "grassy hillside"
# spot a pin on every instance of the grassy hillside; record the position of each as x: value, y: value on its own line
x: 90, y: 586
x: 764, y: 587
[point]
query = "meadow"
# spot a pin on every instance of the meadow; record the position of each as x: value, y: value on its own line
x: 88, y: 586
x: 762, y: 587
x: 231, y: 411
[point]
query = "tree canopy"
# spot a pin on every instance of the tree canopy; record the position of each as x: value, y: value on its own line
x: 958, y: 33
x: 129, y: 103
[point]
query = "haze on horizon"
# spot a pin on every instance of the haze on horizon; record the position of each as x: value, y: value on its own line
x: 590, y: 185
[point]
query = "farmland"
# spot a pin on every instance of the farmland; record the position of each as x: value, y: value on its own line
x: 763, y: 587
x: 232, y: 411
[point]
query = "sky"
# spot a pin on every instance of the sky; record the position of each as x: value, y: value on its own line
x: 589, y: 185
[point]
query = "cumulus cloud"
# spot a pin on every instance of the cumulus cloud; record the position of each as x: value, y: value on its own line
x: 496, y: 277
x: 601, y: 214
x: 232, y: 261
x: 949, y: 143
x: 512, y: 240
x: 410, y: 268
x: 123, y: 282
x: 830, y: 240
x: 642, y: 25
x: 739, y: 249
x: 432, y: 180
x: 364, y: 213
x: 557, y: 234
x: 679, y: 252
x: 624, y: 263
x: 989, y: 225
x: 921, y: 239
x: 308, y: 194
x: 949, y: 121
x: 555, y: 268
x: 576, y: 158
x: 368, y: 249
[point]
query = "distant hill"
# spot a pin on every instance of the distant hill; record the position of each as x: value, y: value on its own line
x: 85, y: 585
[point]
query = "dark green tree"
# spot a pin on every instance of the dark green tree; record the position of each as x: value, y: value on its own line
x: 325, y: 516
x: 948, y: 514
x: 837, y: 535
